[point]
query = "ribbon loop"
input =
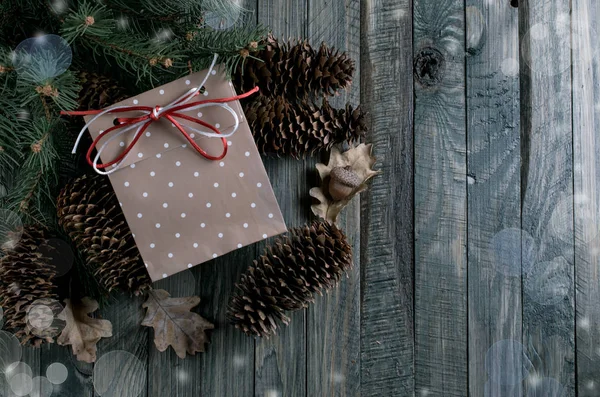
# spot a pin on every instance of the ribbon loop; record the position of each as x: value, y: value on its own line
x: 170, y: 112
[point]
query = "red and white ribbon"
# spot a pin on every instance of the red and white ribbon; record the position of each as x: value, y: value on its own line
x: 170, y: 112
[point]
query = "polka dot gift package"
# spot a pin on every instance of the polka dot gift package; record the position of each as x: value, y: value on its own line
x: 183, y: 208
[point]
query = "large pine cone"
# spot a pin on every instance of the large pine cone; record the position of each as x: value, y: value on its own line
x: 89, y: 212
x: 309, y: 260
x: 98, y: 92
x: 295, y: 70
x: 283, y: 128
x: 26, y: 276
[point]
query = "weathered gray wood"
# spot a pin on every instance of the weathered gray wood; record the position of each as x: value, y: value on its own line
x: 547, y: 191
x: 168, y: 375
x: 125, y: 312
x: 31, y: 357
x: 281, y: 360
x: 586, y: 124
x: 440, y: 199
x: 79, y: 380
x: 333, y: 329
x: 227, y: 367
x: 387, y: 318
x: 494, y: 201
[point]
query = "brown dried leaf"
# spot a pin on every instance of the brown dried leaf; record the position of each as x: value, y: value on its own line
x: 81, y: 331
x: 361, y: 162
x: 175, y: 324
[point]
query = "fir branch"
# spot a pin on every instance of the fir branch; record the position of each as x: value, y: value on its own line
x: 62, y: 91
x: 94, y: 20
x: 32, y: 188
x: 232, y: 46
x: 5, y: 62
x: 95, y: 28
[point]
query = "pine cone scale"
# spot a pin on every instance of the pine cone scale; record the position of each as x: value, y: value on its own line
x: 26, y: 276
x: 90, y: 213
x: 287, y: 276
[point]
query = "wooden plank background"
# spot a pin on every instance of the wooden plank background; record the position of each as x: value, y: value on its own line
x: 477, y: 251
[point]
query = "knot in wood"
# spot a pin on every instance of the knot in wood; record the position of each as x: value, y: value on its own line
x: 429, y: 66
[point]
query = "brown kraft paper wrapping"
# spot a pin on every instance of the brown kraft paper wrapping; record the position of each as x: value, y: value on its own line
x: 182, y: 208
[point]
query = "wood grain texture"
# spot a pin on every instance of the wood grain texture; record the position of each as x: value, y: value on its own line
x: 586, y: 146
x: 281, y: 361
x: 227, y: 367
x: 333, y: 323
x: 387, y: 207
x: 547, y: 194
x: 168, y: 375
x: 494, y: 200
x: 79, y: 380
x: 440, y: 199
x: 30, y: 356
x: 125, y: 312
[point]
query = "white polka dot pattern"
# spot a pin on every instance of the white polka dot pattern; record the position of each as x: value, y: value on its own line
x: 183, y: 208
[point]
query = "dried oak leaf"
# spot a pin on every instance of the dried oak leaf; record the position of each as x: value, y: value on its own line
x: 175, y: 324
x: 359, y: 161
x: 81, y: 331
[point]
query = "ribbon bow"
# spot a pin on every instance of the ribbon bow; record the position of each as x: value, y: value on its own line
x: 152, y: 114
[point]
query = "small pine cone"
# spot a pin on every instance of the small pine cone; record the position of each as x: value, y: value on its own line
x: 98, y: 92
x: 89, y: 212
x: 26, y: 276
x: 295, y: 70
x: 283, y: 128
x: 309, y: 260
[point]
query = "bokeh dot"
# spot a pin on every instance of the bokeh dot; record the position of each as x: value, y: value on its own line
x: 548, y: 44
x: 23, y: 114
x: 61, y: 255
x: 477, y: 29
x: 42, y: 318
x: 506, y: 362
x: 41, y: 387
x: 57, y: 373
x: 546, y: 387
x: 59, y: 6
x: 119, y: 374
x: 539, y: 31
x: 586, y: 213
x: 10, y: 351
x: 17, y: 368
x: 21, y: 384
x: 182, y: 376
x: 510, y: 67
x: 549, y: 282
x: 223, y: 15
x: 514, y: 252
x: 43, y: 57
x: 11, y: 230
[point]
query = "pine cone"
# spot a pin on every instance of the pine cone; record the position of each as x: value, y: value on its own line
x: 282, y: 128
x: 295, y: 69
x: 26, y: 276
x: 90, y: 213
x: 309, y: 260
x: 98, y: 92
